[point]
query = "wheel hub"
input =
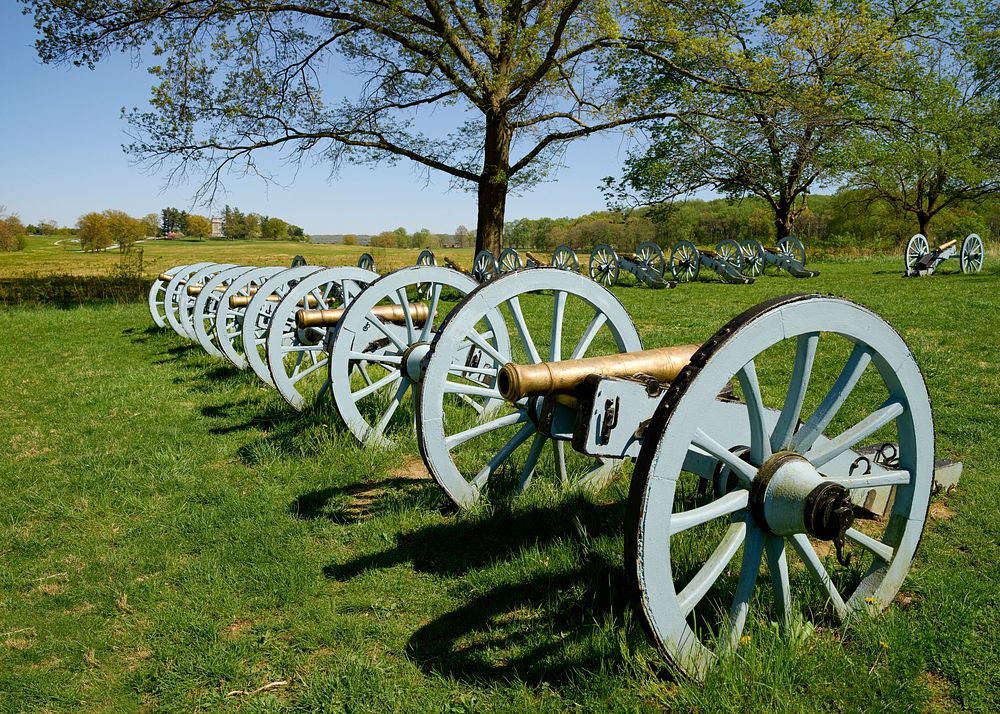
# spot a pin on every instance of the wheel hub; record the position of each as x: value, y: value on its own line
x: 411, y: 364
x: 790, y: 496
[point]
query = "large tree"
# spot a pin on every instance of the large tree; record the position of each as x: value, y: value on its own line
x: 937, y: 142
x: 512, y: 81
x: 768, y: 110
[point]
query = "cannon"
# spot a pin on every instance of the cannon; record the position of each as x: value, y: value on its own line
x: 563, y: 257
x: 366, y: 262
x: 921, y: 260
x: 788, y: 255
x: 745, y: 447
x: 485, y: 266
x: 647, y: 264
x: 687, y: 260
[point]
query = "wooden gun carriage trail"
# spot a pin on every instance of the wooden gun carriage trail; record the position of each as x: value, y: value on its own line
x: 800, y: 434
x: 921, y: 260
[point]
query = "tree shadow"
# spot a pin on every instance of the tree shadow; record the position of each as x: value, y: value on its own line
x: 536, y: 627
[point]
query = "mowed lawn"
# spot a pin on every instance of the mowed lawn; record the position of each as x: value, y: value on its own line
x: 174, y: 538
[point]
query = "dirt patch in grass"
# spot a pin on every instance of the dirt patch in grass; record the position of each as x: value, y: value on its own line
x: 940, y: 511
x: 412, y: 468
x: 940, y: 691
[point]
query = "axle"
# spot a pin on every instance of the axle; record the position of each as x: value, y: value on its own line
x: 516, y: 381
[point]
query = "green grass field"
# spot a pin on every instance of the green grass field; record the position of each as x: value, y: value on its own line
x: 174, y: 538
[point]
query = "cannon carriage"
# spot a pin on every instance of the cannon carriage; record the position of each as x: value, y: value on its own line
x: 647, y: 264
x: 563, y: 257
x: 687, y: 260
x: 789, y: 255
x: 747, y: 443
x: 921, y: 260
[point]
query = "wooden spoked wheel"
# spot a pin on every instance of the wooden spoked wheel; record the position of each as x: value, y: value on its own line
x: 604, y: 266
x: 685, y: 262
x: 257, y: 318
x: 916, y: 248
x: 971, y: 255
x: 752, y: 257
x: 229, y: 319
x: 296, y: 357
x: 206, y: 307
x: 730, y: 251
x: 651, y: 257
x: 176, y: 291
x: 564, y: 258
x: 721, y: 486
x: 157, y: 297
x: 791, y: 247
x: 485, y: 266
x: 509, y: 261
x: 376, y: 363
x: 471, y: 439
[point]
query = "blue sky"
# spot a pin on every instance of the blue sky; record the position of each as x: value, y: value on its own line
x: 60, y: 157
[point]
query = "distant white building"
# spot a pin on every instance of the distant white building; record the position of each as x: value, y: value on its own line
x: 216, y: 227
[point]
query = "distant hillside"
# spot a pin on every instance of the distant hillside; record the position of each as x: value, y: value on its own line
x: 339, y: 238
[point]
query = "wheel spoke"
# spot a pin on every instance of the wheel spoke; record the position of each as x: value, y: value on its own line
x: 889, y: 478
x: 753, y: 549
x: 558, y: 314
x: 486, y: 347
x: 802, y: 546
x: 702, y: 582
x: 760, y: 445
x: 777, y: 566
x: 376, y: 357
x: 805, y: 355
x: 459, y: 438
x: 400, y: 345
x: 425, y: 332
x: 724, y: 506
x: 877, y: 547
x: 860, y: 431
x: 522, y: 329
x: 741, y: 468
x: 307, y: 371
x: 559, y: 449
x: 838, y: 394
x: 531, y: 460
x: 503, y: 454
x: 394, y: 403
x: 375, y: 386
x: 407, y: 317
x: 471, y: 390
x: 596, y: 323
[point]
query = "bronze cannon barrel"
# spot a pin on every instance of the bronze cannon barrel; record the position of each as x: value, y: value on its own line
x: 946, y: 246
x: 244, y: 300
x: 194, y: 289
x: 390, y: 313
x: 166, y: 277
x: 516, y: 381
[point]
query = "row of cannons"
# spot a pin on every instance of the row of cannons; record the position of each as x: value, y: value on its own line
x: 799, y: 435
x: 921, y: 259
x: 734, y: 262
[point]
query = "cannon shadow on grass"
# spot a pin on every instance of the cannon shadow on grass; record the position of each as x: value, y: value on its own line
x: 542, y: 620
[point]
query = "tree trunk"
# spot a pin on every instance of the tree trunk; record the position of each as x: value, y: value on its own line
x: 923, y: 220
x: 782, y: 222
x: 493, y: 185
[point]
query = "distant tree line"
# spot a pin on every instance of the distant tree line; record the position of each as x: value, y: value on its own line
x: 848, y: 222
